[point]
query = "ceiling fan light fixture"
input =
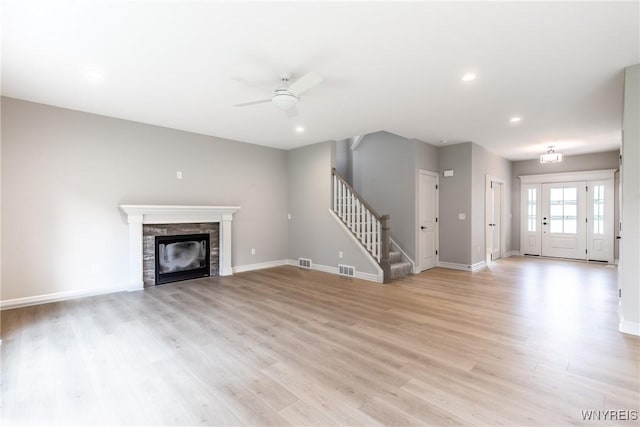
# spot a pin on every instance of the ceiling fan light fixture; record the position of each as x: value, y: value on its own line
x: 284, y: 100
x: 551, y: 156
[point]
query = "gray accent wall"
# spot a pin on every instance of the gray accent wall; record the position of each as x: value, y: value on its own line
x: 583, y: 162
x: 385, y: 168
x: 313, y: 232
x: 65, y: 172
x: 455, y: 199
x: 485, y: 163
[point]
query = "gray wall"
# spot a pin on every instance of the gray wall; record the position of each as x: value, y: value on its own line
x: 485, y: 163
x: 584, y: 162
x: 630, y: 180
x: 385, y: 172
x: 64, y: 173
x: 455, y: 198
x: 343, y: 159
x: 313, y: 233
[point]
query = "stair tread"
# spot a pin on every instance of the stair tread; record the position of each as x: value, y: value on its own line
x: 400, y: 264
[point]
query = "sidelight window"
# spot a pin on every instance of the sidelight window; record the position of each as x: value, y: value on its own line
x: 598, y: 209
x: 531, y: 207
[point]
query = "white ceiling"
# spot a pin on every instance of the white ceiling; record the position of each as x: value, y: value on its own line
x: 387, y: 66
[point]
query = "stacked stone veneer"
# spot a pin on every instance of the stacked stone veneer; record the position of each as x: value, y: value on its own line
x: 149, y: 231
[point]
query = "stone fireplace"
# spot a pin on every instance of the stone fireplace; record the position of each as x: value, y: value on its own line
x: 160, y: 242
x: 148, y: 221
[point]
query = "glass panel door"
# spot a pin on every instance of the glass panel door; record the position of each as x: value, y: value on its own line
x: 563, y: 220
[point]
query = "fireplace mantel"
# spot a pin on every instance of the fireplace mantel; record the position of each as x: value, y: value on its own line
x: 168, y: 214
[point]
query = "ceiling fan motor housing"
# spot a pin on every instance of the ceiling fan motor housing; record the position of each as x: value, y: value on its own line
x: 284, y: 99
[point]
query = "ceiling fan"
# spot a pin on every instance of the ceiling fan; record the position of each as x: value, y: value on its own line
x: 287, y: 95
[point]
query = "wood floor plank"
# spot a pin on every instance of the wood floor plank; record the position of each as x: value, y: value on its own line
x: 523, y: 342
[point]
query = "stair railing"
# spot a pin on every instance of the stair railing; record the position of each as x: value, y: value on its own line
x: 370, y: 228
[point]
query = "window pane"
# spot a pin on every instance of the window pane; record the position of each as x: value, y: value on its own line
x: 570, y: 211
x: 570, y: 193
x: 556, y: 211
x: 556, y: 195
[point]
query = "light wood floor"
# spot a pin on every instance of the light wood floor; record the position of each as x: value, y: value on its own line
x: 527, y: 342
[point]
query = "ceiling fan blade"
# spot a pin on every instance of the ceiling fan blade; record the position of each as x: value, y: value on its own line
x: 244, y: 104
x: 292, y: 112
x: 305, y: 83
x: 252, y: 84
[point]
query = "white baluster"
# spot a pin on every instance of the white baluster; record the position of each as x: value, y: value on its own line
x: 368, y: 231
x: 359, y: 220
x: 335, y: 193
x: 342, y: 201
x: 378, y: 241
x: 353, y: 213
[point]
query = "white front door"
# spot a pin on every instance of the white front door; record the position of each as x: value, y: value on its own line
x: 564, y: 220
x: 427, y: 220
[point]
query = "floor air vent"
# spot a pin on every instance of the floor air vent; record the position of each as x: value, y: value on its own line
x: 346, y: 270
x: 304, y: 262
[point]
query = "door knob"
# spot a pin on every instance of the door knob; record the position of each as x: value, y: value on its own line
x: 544, y: 223
x: 422, y: 227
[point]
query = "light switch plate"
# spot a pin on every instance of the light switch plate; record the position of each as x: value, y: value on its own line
x: 462, y: 216
x: 448, y: 172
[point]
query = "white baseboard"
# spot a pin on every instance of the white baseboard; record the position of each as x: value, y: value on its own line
x: 464, y: 267
x: 454, y: 266
x: 479, y: 266
x: 57, y: 296
x: 260, y: 265
x: 334, y: 270
x: 632, y: 328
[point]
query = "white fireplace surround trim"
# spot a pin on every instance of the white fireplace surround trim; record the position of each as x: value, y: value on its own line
x: 137, y: 215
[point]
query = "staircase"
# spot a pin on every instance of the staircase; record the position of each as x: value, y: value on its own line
x: 369, y: 228
x: 399, y: 267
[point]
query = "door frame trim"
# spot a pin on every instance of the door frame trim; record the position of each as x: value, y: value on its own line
x: 487, y: 186
x: 548, y: 178
x: 436, y: 175
x: 551, y: 178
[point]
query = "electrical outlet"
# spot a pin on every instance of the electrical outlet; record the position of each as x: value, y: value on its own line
x: 462, y: 216
x: 288, y: 216
x: 179, y: 174
x: 253, y: 251
x: 340, y: 254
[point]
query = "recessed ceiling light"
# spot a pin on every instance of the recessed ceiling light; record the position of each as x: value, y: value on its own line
x: 468, y: 77
x: 515, y: 119
x: 300, y: 129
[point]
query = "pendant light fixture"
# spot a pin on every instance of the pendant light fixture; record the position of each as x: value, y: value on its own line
x: 551, y: 156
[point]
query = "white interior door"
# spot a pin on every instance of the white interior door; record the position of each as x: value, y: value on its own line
x: 427, y: 220
x: 496, y: 220
x: 564, y: 220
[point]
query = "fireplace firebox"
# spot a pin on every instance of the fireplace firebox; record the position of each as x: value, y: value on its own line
x: 182, y: 257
